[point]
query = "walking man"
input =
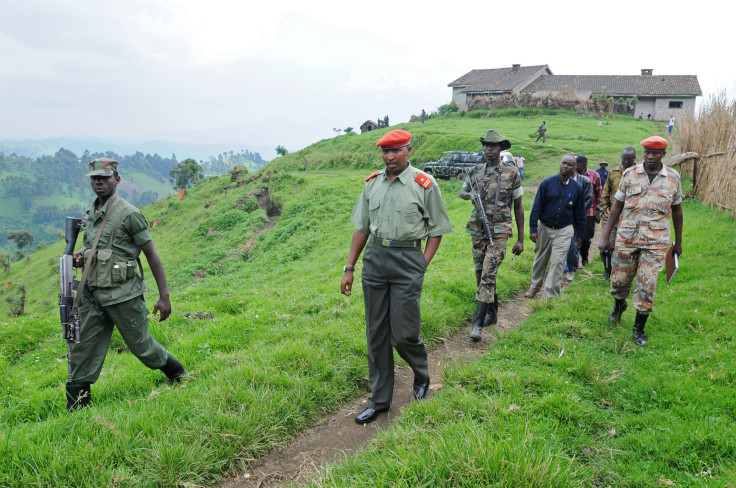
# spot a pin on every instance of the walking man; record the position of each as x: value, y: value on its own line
x: 603, y: 172
x: 647, y: 196
x: 542, y: 131
x: 557, y: 214
x: 628, y: 157
x: 571, y: 260
x: 592, y: 212
x: 499, y: 186
x: 115, y: 234
x: 398, y: 208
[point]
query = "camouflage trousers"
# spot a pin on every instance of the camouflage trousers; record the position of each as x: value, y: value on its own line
x: 645, y: 264
x: 487, y: 261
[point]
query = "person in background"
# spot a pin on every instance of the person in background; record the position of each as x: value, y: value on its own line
x: 603, y: 172
x: 628, y: 157
x: 571, y: 260
x: 593, y: 212
x: 520, y: 164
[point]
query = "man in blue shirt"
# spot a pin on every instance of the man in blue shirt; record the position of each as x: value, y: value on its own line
x: 603, y: 172
x: 558, y: 213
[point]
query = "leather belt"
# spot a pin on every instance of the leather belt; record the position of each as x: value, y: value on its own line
x: 555, y: 227
x: 396, y: 243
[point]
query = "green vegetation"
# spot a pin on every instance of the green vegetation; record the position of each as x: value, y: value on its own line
x: 254, y: 269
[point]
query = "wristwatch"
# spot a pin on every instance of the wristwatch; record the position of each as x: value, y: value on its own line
x: 348, y: 268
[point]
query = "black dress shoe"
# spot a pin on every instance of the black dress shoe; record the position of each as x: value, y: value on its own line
x: 369, y: 415
x: 421, y: 389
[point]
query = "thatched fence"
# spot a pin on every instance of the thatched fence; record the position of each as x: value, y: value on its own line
x: 712, y: 137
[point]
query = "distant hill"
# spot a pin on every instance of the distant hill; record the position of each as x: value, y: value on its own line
x: 38, y: 192
x: 199, y: 152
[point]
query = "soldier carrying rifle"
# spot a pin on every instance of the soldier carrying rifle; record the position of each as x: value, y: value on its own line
x: 110, y: 292
x: 493, y: 186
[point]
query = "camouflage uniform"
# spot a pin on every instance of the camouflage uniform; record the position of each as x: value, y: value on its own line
x: 643, y: 232
x: 609, y: 190
x: 485, y: 259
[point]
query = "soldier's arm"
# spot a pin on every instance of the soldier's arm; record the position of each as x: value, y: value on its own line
x: 677, y: 224
x: 356, y: 247
x: 618, y: 206
x: 163, y: 305
x: 431, y: 248
x: 519, y: 217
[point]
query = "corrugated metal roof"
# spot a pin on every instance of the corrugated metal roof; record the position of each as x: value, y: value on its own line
x: 621, y: 85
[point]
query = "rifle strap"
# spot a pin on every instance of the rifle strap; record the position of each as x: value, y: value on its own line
x: 93, y: 254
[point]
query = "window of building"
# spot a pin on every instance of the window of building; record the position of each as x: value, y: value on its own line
x: 675, y: 104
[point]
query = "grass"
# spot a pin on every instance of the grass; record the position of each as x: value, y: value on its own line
x: 272, y: 346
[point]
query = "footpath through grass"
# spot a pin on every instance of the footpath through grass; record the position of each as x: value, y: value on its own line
x: 568, y: 399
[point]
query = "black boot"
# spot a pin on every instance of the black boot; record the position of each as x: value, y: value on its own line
x: 618, y: 309
x: 480, y: 315
x: 639, y: 336
x: 173, y: 370
x: 492, y: 314
x: 78, y: 395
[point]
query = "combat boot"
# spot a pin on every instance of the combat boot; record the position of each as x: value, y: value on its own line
x: 78, y: 395
x: 618, y: 309
x: 173, y: 370
x: 480, y: 315
x: 492, y: 314
x: 640, y: 338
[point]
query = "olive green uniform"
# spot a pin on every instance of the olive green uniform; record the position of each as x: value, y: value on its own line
x: 397, y: 214
x: 488, y: 259
x: 117, y: 289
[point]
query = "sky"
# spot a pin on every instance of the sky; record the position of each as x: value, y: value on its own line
x: 267, y: 73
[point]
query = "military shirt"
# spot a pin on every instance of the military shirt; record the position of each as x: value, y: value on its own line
x: 402, y: 209
x: 129, y: 236
x: 510, y: 189
x: 609, y: 190
x: 645, y: 221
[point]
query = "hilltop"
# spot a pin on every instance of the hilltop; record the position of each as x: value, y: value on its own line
x: 254, y: 262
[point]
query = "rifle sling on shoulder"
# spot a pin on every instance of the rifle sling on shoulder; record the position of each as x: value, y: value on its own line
x: 93, y: 254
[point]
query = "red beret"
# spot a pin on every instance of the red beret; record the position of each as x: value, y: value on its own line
x: 655, y: 142
x: 394, y: 139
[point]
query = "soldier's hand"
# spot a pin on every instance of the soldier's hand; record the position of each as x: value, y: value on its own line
x: 78, y: 260
x: 604, y: 245
x: 518, y: 248
x: 677, y: 248
x: 346, y: 285
x: 163, y: 307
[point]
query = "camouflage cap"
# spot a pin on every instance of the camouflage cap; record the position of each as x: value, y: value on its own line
x: 494, y: 137
x: 102, y: 167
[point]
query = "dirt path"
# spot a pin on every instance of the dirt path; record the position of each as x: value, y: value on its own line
x: 339, y: 435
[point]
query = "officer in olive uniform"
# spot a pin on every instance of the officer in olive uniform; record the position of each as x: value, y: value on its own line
x: 647, y: 196
x: 499, y: 184
x: 398, y: 208
x: 113, y: 293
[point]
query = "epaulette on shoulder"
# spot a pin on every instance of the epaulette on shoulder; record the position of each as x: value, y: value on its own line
x: 372, y: 176
x: 424, y: 180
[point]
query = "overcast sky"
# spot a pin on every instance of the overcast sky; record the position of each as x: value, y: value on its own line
x: 265, y: 73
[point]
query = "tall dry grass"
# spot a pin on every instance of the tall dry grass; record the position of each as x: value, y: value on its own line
x: 712, y: 134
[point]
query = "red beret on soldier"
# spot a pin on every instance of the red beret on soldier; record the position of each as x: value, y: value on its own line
x: 394, y: 139
x: 655, y: 142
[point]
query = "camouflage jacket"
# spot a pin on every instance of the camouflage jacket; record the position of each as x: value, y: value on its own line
x: 609, y: 190
x: 645, y: 221
x: 510, y: 188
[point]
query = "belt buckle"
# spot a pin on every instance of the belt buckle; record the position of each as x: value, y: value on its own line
x: 385, y: 242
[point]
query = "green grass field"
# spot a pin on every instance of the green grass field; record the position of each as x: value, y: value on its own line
x: 564, y: 400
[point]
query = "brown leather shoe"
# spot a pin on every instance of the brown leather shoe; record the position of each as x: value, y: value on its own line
x: 531, y: 292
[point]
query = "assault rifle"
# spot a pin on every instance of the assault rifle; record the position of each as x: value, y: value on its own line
x: 479, y: 203
x: 69, y: 317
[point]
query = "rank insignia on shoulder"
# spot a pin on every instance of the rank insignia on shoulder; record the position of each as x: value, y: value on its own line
x: 372, y: 176
x: 424, y: 180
